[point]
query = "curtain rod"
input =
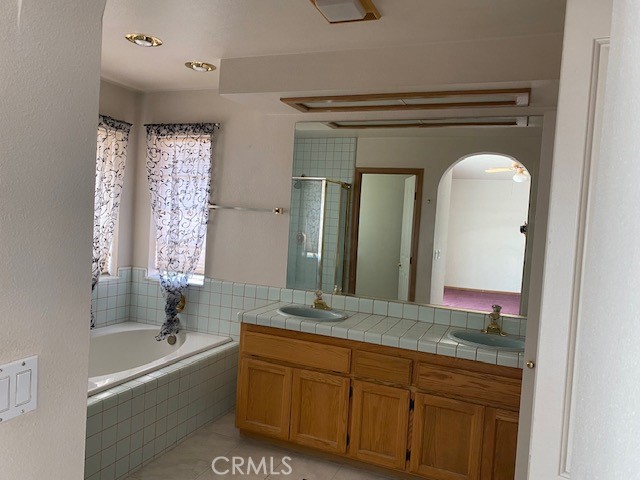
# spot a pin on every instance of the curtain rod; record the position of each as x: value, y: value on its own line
x: 217, y: 125
x: 107, y: 117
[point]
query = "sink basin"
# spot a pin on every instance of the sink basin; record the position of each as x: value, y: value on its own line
x: 308, y: 313
x: 478, y: 339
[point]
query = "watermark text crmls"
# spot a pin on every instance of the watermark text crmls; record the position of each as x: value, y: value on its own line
x: 250, y: 466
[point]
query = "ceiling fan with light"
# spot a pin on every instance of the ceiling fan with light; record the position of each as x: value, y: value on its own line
x: 521, y: 174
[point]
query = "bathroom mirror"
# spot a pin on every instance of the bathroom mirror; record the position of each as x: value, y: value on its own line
x: 433, y: 215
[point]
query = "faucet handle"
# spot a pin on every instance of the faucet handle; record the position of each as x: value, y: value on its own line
x: 496, y: 308
x: 318, y: 294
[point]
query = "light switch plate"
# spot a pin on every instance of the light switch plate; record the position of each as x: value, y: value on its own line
x: 18, y: 387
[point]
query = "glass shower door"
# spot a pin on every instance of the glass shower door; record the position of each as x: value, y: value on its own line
x: 304, y: 266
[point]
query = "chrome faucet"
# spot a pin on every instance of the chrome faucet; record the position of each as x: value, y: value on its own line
x: 319, y: 303
x: 493, y: 327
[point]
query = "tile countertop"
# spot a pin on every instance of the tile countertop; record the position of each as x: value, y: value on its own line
x: 381, y: 330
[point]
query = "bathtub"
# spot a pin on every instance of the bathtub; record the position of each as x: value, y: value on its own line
x: 125, y: 351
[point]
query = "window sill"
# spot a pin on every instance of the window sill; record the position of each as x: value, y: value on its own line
x: 196, y: 280
x: 105, y: 278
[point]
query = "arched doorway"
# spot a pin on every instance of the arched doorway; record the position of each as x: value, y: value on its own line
x: 479, y: 245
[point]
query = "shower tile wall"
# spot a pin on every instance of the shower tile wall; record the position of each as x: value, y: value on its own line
x: 111, y: 299
x: 333, y: 158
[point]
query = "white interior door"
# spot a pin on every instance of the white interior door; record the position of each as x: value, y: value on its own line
x: 406, y: 237
x: 576, y: 146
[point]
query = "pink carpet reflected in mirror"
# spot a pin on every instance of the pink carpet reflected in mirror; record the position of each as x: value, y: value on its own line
x: 479, y: 300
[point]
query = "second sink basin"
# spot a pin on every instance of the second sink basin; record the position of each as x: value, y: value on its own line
x: 478, y: 339
x: 302, y: 311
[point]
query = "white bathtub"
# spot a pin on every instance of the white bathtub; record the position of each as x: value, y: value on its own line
x: 122, y: 352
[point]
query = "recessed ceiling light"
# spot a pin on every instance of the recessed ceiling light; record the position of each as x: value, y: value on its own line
x: 200, y: 66
x: 143, y: 40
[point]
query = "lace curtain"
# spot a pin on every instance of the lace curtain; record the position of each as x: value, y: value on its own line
x: 111, y: 156
x: 179, y: 173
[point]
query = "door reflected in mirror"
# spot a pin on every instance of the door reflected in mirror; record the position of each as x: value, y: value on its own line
x: 461, y: 241
x: 386, y: 228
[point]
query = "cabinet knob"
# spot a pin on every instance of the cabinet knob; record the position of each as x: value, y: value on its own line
x: 530, y: 364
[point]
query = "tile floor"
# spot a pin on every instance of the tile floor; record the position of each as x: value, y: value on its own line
x: 191, y: 460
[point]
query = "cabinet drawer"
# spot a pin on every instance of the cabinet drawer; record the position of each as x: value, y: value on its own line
x: 481, y: 387
x: 382, y: 367
x: 297, y: 352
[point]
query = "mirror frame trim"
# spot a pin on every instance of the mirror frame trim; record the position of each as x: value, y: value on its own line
x: 355, y: 216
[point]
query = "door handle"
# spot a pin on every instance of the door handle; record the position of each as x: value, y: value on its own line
x: 530, y: 364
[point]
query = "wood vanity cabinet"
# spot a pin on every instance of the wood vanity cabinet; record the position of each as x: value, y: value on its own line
x: 319, y: 410
x: 429, y: 416
x: 264, y: 398
x: 499, y: 446
x: 447, y: 438
x: 379, y: 423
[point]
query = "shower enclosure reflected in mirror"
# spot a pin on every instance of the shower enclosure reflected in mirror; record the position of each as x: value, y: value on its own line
x: 317, y: 233
x: 467, y: 249
x: 320, y: 208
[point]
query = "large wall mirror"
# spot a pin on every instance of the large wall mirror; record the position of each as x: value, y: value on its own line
x: 439, y: 216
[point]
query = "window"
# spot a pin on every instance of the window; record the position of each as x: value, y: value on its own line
x: 179, y: 173
x: 111, y: 154
x: 111, y: 265
x: 197, y: 278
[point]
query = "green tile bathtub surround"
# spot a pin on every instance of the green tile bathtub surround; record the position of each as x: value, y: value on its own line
x: 124, y: 429
x: 120, y: 439
x: 109, y: 436
x: 108, y: 457
x: 109, y: 417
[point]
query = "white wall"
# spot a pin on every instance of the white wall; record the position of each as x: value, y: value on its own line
x: 516, y: 59
x: 440, y: 239
x: 485, y: 249
x: 253, y: 156
x: 379, y: 234
x: 124, y: 104
x: 436, y: 155
x: 49, y: 95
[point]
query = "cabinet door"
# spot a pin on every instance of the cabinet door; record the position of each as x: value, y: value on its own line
x: 380, y: 418
x: 319, y: 410
x: 500, y: 439
x: 264, y: 398
x: 447, y: 438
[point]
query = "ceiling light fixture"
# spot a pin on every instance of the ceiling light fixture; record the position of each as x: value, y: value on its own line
x: 143, y: 40
x: 200, y: 66
x: 521, y: 176
x: 340, y: 11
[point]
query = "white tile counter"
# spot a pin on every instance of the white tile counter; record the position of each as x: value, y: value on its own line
x: 384, y: 330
